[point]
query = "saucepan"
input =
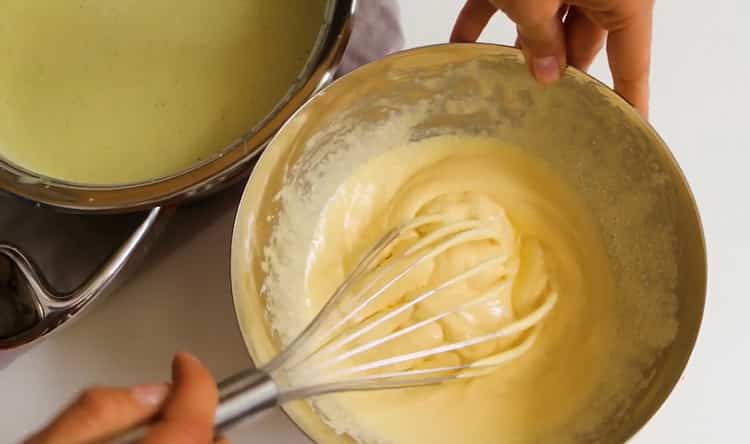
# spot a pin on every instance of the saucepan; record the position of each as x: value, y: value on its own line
x: 598, y: 142
x: 40, y: 309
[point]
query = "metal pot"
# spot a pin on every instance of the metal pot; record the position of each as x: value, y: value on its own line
x: 37, y: 309
x: 579, y: 126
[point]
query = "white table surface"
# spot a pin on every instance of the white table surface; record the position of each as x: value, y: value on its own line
x: 181, y: 298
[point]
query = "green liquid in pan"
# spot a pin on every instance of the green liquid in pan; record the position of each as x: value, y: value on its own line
x: 123, y: 91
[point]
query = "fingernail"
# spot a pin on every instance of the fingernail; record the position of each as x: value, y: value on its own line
x: 150, y: 394
x: 546, y: 69
x: 189, y: 357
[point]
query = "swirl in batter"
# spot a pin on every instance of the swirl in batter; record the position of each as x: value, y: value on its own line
x: 570, y: 379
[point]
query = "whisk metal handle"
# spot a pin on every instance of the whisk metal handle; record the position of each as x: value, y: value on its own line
x: 240, y: 396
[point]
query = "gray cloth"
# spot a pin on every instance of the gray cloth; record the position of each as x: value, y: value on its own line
x: 69, y: 247
x: 377, y: 32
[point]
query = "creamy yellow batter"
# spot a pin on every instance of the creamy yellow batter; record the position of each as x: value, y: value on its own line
x: 112, y: 92
x: 578, y: 373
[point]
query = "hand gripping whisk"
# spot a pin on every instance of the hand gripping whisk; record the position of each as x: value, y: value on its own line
x: 346, y: 346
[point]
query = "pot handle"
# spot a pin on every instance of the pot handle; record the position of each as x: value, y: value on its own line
x: 30, y: 308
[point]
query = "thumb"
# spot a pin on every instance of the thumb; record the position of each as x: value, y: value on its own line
x: 188, y: 414
x: 542, y: 40
x: 100, y: 413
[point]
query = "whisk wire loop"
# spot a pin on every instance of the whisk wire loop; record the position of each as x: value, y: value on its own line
x: 331, y: 354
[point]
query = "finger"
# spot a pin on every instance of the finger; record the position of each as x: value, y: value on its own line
x: 629, y: 53
x: 99, y: 413
x: 541, y: 36
x: 561, y: 14
x: 472, y: 20
x: 583, y: 39
x: 188, y: 416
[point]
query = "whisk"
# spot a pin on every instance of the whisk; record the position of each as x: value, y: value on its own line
x: 341, y: 349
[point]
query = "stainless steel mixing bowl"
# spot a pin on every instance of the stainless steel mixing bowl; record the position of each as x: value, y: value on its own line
x: 580, y: 127
x: 40, y: 309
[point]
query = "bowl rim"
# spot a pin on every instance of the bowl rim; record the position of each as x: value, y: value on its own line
x: 240, y: 225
